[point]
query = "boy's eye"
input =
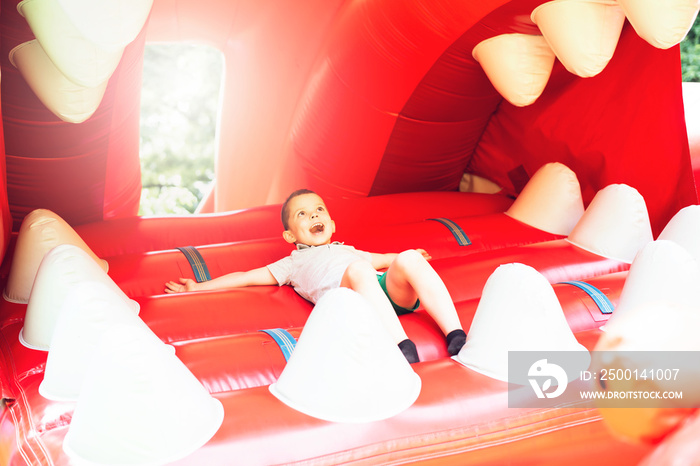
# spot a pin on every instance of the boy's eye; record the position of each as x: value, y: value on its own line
x: 301, y: 214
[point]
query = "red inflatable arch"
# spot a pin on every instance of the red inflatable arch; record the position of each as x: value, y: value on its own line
x: 421, y: 123
x: 377, y: 98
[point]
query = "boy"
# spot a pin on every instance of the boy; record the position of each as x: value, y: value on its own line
x: 319, y: 265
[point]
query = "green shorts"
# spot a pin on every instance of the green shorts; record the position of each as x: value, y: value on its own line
x: 399, y: 310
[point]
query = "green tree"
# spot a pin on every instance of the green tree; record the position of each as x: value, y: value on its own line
x: 179, y: 108
x: 690, y: 54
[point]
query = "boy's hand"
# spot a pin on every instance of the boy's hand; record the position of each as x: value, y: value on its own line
x: 425, y: 254
x: 186, y: 284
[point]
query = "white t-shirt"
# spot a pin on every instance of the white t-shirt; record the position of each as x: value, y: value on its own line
x: 314, y: 270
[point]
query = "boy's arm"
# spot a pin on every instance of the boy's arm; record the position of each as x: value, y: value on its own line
x: 382, y: 261
x: 260, y: 276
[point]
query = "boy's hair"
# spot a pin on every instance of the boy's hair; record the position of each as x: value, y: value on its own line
x: 285, y: 206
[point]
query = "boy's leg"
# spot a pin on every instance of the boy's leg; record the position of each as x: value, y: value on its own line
x: 410, y: 277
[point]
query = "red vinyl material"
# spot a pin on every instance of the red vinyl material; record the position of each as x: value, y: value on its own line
x: 142, y: 234
x: 217, y: 336
x: 379, y: 106
x: 465, y: 420
x: 145, y: 274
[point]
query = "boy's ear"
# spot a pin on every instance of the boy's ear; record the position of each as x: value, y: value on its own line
x: 289, y: 236
x: 333, y: 226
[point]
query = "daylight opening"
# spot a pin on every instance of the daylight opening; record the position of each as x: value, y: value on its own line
x: 180, y: 101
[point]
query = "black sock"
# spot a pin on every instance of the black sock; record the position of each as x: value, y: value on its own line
x: 455, y: 340
x: 408, y: 348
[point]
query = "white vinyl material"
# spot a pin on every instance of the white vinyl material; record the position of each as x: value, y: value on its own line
x: 345, y: 367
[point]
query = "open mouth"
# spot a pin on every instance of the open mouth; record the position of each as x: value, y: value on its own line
x: 317, y: 228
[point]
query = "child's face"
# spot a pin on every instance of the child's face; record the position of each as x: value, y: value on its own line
x: 309, y: 221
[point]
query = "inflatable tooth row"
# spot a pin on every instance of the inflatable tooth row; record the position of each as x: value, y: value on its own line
x: 582, y: 35
x: 377, y: 98
x: 76, y: 50
x: 325, y: 385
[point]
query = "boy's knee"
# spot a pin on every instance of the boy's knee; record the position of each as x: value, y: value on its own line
x: 358, y: 271
x: 409, y: 259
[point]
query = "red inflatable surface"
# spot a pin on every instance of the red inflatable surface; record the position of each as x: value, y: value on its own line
x: 216, y: 335
x: 381, y: 108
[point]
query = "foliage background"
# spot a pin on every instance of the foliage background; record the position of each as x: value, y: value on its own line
x: 690, y: 54
x: 179, y: 108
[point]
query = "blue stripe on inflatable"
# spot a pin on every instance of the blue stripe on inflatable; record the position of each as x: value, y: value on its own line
x: 199, y: 267
x: 284, y: 340
x: 456, y: 230
x: 602, y: 301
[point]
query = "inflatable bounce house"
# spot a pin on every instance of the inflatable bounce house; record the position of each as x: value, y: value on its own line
x: 538, y: 150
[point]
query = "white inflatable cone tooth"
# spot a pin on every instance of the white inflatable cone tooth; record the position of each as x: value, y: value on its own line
x: 551, y: 201
x: 684, y: 229
x: 345, y: 366
x: 657, y: 326
x: 69, y: 101
x: 582, y: 33
x: 61, y: 269
x: 88, y: 312
x: 656, y: 334
x: 139, y: 405
x: 662, y: 23
x: 111, y: 25
x: 663, y: 271
x: 651, y: 331
x: 518, y: 311
x: 78, y: 59
x: 518, y: 65
x: 615, y: 225
x: 40, y: 232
